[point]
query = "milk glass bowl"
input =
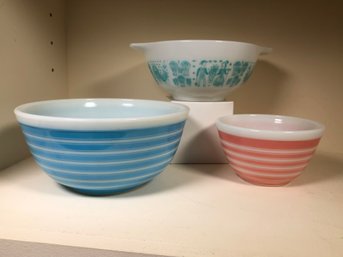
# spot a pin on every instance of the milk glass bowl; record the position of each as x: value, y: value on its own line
x: 200, y: 70
x: 102, y: 146
x: 268, y: 150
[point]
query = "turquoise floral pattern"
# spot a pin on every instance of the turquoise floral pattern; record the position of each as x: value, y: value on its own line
x: 159, y: 71
x: 181, y: 73
x: 200, y: 73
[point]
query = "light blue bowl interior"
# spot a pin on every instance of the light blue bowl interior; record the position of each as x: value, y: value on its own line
x: 100, y: 109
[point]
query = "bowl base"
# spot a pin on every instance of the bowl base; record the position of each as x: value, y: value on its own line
x: 264, y: 183
x: 108, y: 192
x: 197, y: 99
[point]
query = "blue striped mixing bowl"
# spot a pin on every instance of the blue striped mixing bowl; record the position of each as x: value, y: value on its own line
x: 102, y: 146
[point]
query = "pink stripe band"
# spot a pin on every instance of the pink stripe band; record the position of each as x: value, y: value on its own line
x: 266, y: 163
x: 268, y: 155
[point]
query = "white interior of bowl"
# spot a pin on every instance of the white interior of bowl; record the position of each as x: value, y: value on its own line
x: 273, y: 127
x: 100, y: 114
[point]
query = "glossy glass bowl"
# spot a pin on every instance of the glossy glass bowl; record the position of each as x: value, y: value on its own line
x: 269, y: 150
x: 102, y: 146
x: 200, y: 70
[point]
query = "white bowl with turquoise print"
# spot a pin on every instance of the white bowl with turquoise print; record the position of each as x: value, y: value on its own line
x: 200, y: 70
x: 102, y: 146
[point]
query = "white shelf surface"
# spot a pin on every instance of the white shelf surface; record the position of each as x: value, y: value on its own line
x: 188, y: 210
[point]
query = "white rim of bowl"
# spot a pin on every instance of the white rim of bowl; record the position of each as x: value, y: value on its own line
x: 66, y: 123
x: 264, y: 50
x: 280, y: 135
x: 195, y: 41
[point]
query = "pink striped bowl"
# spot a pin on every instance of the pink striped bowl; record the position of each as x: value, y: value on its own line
x: 269, y: 150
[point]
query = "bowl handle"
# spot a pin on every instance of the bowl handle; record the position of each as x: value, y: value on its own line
x: 138, y: 46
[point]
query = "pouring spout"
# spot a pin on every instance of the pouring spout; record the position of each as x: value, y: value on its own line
x: 138, y: 46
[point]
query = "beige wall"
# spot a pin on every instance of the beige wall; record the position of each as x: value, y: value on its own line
x: 26, y: 62
x: 90, y: 45
x: 301, y: 77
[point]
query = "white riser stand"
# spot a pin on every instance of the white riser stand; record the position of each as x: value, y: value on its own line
x: 200, y: 143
